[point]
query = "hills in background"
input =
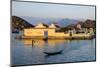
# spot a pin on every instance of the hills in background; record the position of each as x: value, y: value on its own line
x: 19, y: 23
x: 65, y: 24
x: 84, y: 24
x: 60, y: 21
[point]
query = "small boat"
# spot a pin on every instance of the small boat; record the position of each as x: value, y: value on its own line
x: 15, y: 31
x: 53, y: 53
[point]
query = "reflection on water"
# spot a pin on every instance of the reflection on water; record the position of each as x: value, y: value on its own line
x: 49, y: 45
x: 31, y: 51
x: 40, y: 41
x: 31, y: 42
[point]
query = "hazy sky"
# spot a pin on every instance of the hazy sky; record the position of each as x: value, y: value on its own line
x: 52, y: 10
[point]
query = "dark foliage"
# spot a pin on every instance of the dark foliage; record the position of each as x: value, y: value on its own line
x: 86, y: 24
x: 19, y: 23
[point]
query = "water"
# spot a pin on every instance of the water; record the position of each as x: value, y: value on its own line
x: 29, y: 51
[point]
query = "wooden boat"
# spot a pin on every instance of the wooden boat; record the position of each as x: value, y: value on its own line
x: 15, y: 31
x: 53, y: 53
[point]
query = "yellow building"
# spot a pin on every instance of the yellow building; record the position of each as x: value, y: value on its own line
x: 43, y: 30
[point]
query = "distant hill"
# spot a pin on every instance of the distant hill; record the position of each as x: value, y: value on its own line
x: 86, y: 24
x: 19, y: 23
x: 36, y: 20
x: 66, y: 22
x: 60, y: 21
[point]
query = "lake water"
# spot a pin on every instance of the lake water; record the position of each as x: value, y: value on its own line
x: 30, y: 51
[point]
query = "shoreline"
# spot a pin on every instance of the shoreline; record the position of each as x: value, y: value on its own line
x: 53, y: 37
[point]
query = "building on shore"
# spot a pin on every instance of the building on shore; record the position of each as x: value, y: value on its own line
x: 49, y: 31
x: 43, y: 30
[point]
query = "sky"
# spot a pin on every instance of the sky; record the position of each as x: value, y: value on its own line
x: 44, y: 10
